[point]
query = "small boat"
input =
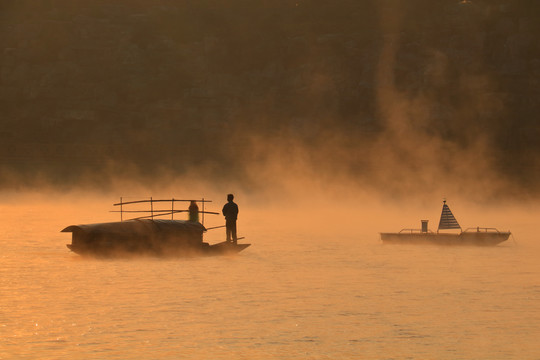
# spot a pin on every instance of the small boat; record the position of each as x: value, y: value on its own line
x: 471, y: 236
x: 149, y: 235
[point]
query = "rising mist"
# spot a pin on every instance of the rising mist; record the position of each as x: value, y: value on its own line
x: 394, y: 97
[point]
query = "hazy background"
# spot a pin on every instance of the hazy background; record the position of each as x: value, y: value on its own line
x: 394, y: 98
x: 331, y: 121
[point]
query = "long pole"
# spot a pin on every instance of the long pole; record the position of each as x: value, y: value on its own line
x: 203, y: 211
x: 216, y: 227
x: 121, y: 209
x: 151, y: 208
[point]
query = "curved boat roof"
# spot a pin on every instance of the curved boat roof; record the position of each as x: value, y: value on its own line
x: 138, y: 226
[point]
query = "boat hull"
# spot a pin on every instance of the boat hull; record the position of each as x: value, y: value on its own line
x: 224, y: 248
x: 464, y: 238
x: 167, y: 238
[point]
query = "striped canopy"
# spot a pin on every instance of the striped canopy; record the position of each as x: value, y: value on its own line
x: 448, y: 221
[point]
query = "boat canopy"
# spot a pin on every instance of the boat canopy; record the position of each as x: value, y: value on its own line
x: 448, y: 221
x: 139, y: 227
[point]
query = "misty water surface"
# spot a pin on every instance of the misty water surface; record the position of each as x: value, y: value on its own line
x: 313, y: 285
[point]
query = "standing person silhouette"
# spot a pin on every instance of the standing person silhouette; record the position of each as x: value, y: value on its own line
x: 230, y: 211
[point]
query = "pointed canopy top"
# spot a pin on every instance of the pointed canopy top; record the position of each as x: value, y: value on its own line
x: 448, y: 221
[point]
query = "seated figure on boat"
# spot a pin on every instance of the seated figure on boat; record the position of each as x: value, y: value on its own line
x: 193, y: 211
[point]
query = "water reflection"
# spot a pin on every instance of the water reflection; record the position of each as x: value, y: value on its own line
x: 300, y: 291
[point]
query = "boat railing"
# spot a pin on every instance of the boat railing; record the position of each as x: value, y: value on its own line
x: 481, y: 229
x: 414, y: 231
x: 156, y: 210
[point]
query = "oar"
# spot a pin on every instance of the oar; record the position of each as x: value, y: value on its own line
x: 215, y: 227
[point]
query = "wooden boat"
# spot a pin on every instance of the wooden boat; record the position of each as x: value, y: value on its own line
x: 148, y: 235
x: 471, y: 236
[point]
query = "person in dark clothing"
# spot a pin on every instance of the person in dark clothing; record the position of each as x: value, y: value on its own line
x: 193, y: 212
x: 230, y: 211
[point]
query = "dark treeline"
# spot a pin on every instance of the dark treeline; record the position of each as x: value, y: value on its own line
x: 131, y: 87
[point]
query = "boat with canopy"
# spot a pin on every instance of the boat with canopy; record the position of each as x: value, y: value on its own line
x: 481, y: 236
x: 150, y: 233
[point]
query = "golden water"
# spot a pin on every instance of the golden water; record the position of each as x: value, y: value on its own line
x: 301, y: 291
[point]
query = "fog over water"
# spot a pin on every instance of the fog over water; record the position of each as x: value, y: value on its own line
x: 315, y: 283
x: 330, y: 122
x: 400, y: 97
